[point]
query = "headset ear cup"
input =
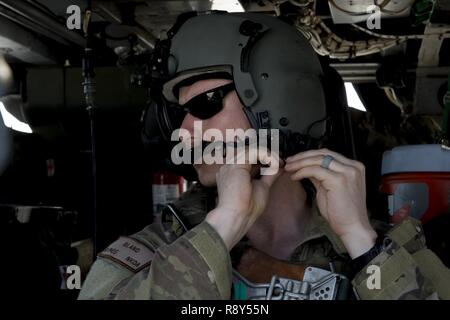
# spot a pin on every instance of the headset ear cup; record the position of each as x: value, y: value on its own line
x: 157, y: 129
x: 163, y: 121
x: 155, y: 146
x: 150, y: 130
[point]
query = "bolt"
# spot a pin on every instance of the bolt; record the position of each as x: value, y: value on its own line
x: 248, y: 93
x: 284, y: 122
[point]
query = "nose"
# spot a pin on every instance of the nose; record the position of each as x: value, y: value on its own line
x: 188, y: 123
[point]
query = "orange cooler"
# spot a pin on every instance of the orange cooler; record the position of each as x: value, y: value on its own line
x: 416, y: 179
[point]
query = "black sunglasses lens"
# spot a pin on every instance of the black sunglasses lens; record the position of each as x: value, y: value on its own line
x: 205, y: 109
x: 207, y: 105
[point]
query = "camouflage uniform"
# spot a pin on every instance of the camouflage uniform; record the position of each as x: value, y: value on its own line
x: 162, y: 262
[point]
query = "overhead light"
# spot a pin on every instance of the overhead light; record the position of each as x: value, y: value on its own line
x: 353, y: 99
x: 12, y: 122
x: 227, y: 5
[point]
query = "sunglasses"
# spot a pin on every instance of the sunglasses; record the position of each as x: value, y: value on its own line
x: 208, y: 104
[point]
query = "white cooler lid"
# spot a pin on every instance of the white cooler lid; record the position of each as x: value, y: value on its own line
x: 416, y: 158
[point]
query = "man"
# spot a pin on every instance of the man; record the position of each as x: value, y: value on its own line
x: 264, y: 227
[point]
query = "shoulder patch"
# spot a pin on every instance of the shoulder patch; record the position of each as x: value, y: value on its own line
x: 129, y: 253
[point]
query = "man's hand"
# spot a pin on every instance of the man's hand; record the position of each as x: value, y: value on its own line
x: 341, y: 196
x: 242, y: 199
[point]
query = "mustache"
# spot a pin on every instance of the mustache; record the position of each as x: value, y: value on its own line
x: 196, y: 148
x: 218, y: 144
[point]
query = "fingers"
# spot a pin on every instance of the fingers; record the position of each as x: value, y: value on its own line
x: 335, y: 165
x: 327, y: 178
x: 316, y: 152
x: 271, y: 162
x: 315, y: 182
x: 254, y: 154
x: 340, y: 172
x: 322, y: 152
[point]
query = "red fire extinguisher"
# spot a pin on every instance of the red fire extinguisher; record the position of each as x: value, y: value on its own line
x: 166, y: 188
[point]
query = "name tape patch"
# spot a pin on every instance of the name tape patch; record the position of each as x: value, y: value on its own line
x: 128, y: 252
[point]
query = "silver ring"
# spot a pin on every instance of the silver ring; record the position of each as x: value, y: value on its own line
x: 326, y: 161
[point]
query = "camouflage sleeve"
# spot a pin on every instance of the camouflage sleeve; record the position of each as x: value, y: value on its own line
x: 405, y: 269
x: 195, y: 266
